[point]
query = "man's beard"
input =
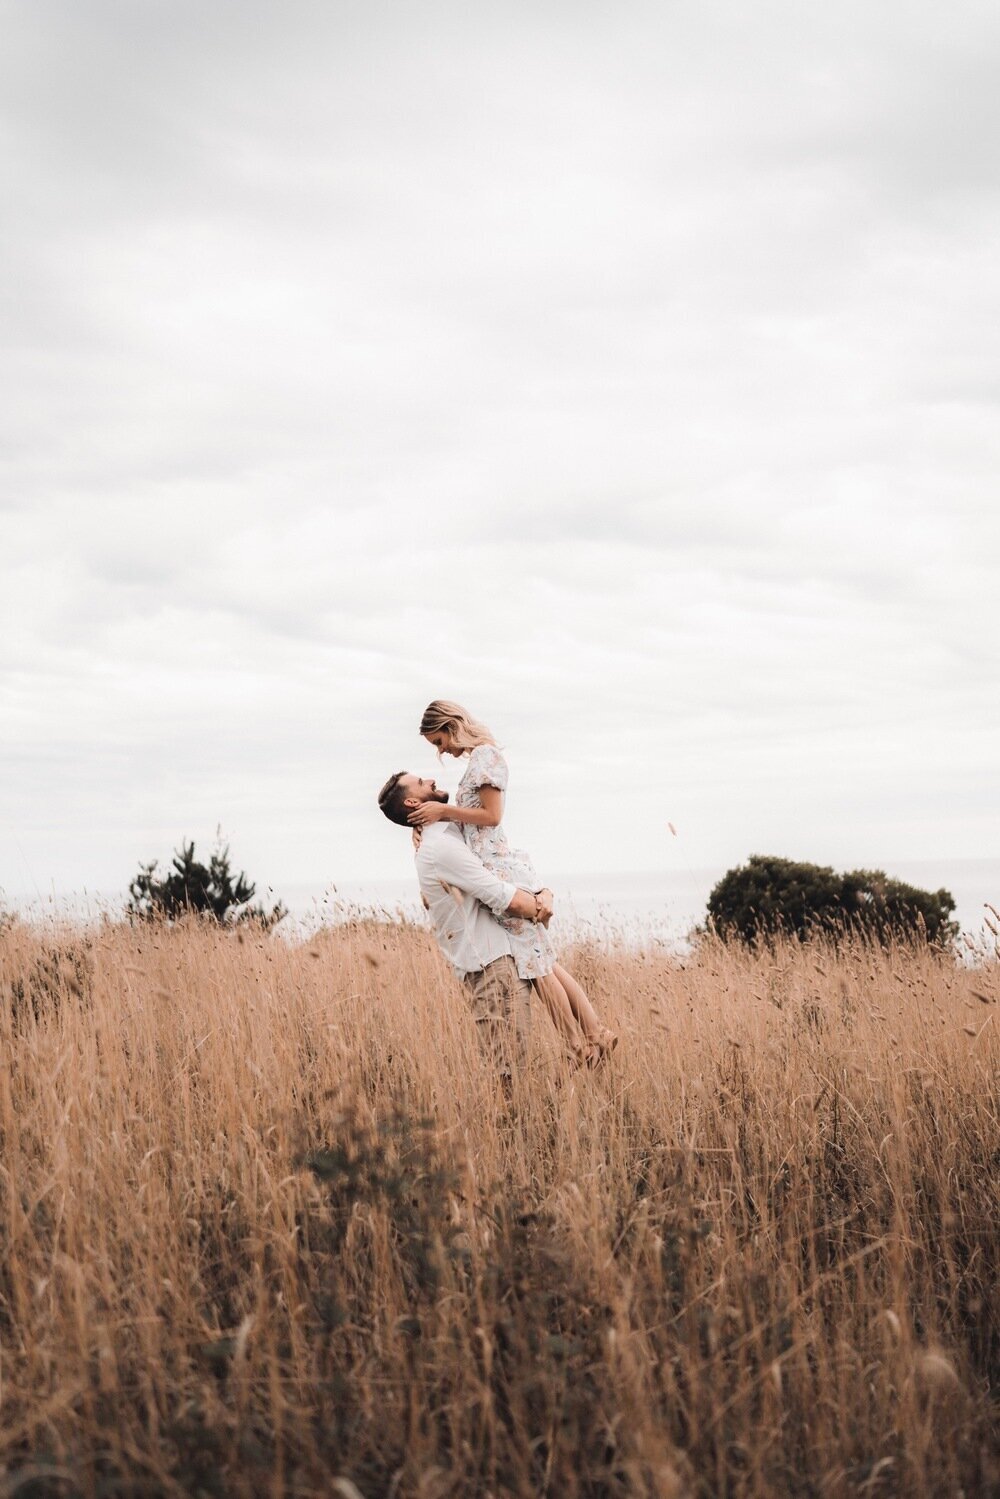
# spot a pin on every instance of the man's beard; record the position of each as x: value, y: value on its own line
x: 438, y: 796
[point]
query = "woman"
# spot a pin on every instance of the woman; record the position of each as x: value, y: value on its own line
x: 478, y: 810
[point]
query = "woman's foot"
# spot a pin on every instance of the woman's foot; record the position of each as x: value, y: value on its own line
x: 577, y: 1054
x: 601, y: 1049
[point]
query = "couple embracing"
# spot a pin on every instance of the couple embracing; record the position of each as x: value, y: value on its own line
x: 489, y: 913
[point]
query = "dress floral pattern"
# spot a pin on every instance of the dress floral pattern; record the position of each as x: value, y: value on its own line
x: 530, y: 944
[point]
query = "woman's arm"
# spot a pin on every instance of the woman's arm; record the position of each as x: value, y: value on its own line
x: 486, y: 816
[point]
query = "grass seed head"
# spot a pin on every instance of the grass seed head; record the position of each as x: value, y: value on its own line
x: 937, y: 1372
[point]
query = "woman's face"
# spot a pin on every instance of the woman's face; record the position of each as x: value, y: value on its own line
x: 442, y: 742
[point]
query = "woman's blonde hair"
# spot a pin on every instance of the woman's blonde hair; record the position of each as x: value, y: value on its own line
x: 464, y: 730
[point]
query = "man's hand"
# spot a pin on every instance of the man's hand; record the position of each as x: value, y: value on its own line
x: 427, y: 813
x: 528, y: 906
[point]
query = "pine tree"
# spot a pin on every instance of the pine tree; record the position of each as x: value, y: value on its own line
x: 211, y: 891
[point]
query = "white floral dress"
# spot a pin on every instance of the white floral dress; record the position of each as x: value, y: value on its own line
x: 530, y: 944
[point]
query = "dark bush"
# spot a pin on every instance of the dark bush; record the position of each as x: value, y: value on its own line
x: 768, y: 896
x: 209, y: 890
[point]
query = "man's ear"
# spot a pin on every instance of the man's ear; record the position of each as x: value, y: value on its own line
x: 410, y: 801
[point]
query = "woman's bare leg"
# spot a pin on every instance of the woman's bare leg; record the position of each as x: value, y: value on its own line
x: 583, y: 1011
x: 586, y: 1016
x: 560, y: 1010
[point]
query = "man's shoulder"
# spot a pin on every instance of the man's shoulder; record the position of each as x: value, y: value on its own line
x: 436, y: 835
x: 435, y: 832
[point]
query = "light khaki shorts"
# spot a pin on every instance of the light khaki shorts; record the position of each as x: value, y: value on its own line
x: 501, y: 1008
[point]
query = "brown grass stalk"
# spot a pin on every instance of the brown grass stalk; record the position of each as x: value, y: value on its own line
x: 268, y: 1222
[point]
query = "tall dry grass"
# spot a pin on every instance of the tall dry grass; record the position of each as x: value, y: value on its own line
x: 268, y: 1226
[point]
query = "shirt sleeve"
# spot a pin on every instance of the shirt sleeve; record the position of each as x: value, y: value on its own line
x: 487, y: 767
x: 454, y: 864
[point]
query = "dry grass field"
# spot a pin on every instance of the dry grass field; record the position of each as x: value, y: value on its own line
x: 269, y: 1227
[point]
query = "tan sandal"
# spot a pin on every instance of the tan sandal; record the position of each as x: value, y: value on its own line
x: 601, y: 1049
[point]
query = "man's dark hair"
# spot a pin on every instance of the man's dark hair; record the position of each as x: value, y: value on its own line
x: 391, y: 799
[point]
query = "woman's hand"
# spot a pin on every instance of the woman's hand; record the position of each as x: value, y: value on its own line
x: 427, y: 813
x: 543, y: 906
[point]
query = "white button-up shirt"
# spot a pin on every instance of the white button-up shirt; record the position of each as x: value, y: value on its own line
x: 463, y: 898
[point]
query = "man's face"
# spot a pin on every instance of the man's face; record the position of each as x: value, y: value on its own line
x: 416, y: 791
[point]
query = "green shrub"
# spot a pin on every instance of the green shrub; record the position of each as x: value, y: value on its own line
x: 768, y: 896
x: 209, y: 890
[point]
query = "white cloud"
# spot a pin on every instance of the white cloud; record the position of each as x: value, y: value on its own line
x: 631, y: 376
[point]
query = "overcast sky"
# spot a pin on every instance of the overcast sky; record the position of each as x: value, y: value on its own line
x: 628, y: 373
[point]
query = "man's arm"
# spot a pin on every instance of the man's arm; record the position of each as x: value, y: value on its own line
x: 531, y: 906
x: 455, y: 864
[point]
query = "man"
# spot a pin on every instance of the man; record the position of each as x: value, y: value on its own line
x: 463, y: 900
